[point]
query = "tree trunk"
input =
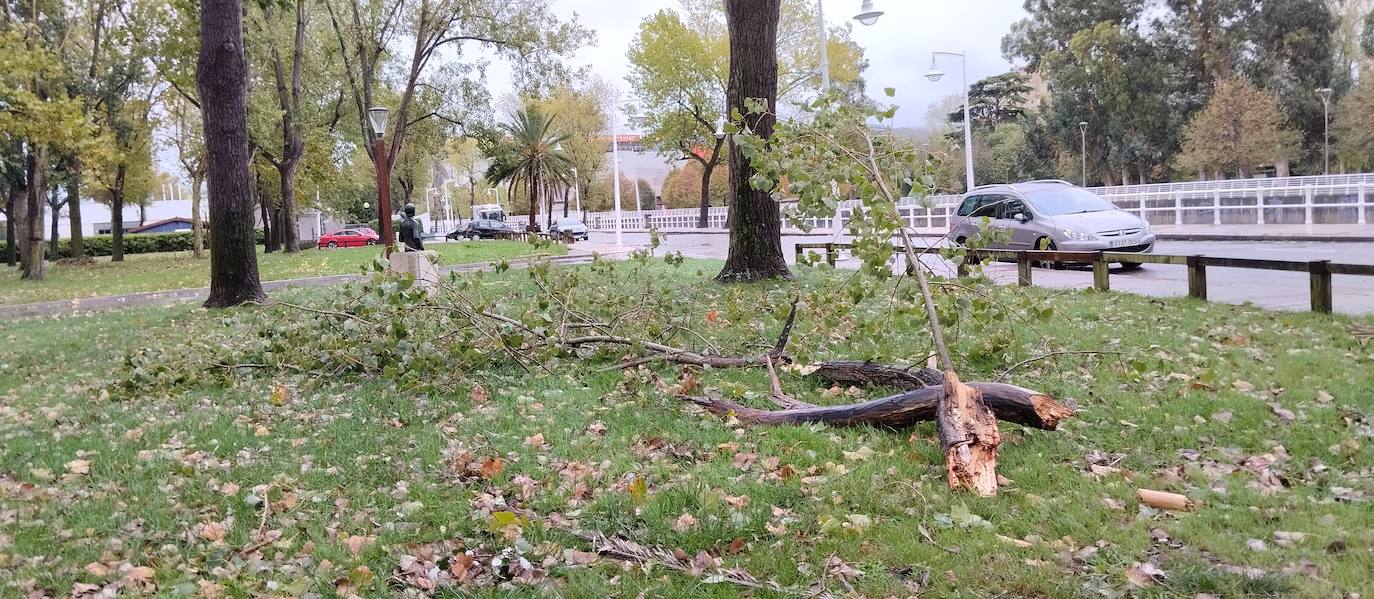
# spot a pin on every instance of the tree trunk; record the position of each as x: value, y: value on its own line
x: 704, y: 217
x: 566, y: 192
x: 142, y: 213
x: 19, y: 216
x: 756, y: 231
x: 222, y: 80
x: 288, y: 234
x: 534, y: 200
x: 32, y: 260
x: 909, y: 408
x: 11, y: 231
x: 969, y: 438
x: 117, y: 215
x: 269, y: 228
x: 197, y: 223
x: 78, y: 244
x: 56, y: 210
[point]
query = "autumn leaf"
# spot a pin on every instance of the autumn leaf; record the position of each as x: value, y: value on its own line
x: 536, y: 440
x: 280, y: 394
x: 213, y: 531
x: 639, y: 490
x: 685, y: 522
x: 79, y: 466
x: 491, y: 467
x: 478, y: 394
x: 356, y: 543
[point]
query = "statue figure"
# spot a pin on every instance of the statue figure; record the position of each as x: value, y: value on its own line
x: 411, y: 230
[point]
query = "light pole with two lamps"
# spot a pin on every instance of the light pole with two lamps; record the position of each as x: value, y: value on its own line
x: 615, y: 167
x: 376, y: 117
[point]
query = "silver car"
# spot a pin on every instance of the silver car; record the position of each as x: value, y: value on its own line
x: 569, y: 226
x: 1051, y: 214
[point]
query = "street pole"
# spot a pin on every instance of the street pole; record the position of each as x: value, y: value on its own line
x: 934, y: 75
x: 825, y: 52
x: 1083, y: 148
x: 1325, y: 94
x: 383, y: 193
x: 615, y: 183
x: 577, y: 193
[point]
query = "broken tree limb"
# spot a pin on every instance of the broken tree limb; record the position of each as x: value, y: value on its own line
x: 969, y: 438
x: 852, y: 372
x: 1007, y: 402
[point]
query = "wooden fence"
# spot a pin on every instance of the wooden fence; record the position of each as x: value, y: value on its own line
x: 1319, y: 271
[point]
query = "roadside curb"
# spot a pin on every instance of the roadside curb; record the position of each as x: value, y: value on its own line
x: 85, y: 305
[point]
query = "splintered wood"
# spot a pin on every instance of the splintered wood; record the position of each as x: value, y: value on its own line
x: 969, y: 437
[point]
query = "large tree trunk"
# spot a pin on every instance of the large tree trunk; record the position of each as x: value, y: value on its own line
x: 293, y: 144
x: 756, y: 232
x: 197, y: 222
x: 78, y: 242
x: 222, y: 80
x: 34, y: 200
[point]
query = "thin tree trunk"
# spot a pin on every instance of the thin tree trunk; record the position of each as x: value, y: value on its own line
x: 77, y: 245
x: 704, y: 217
x: 56, y: 209
x: 269, y: 229
x: 222, y: 80
x: 197, y: 222
x: 534, y: 200
x: 117, y: 215
x: 11, y: 232
x: 756, y: 232
x: 19, y: 215
x: 32, y: 262
x: 566, y: 192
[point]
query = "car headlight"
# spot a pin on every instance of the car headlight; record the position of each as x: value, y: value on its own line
x: 1144, y: 226
x: 1077, y: 235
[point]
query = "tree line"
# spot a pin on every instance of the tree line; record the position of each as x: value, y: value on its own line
x: 1174, y: 90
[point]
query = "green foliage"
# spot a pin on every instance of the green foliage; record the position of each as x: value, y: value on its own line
x: 1241, y: 128
x: 1352, y: 125
x: 134, y: 243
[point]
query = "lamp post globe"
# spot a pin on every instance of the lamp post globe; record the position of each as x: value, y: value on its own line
x: 934, y: 74
x: 867, y: 15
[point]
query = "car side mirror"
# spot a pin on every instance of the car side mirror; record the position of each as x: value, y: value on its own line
x: 1021, y: 216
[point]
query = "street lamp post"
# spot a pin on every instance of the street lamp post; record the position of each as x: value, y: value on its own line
x: 376, y: 117
x: 934, y: 75
x: 867, y: 15
x: 1083, y: 148
x: 1325, y: 94
x: 825, y: 52
x: 577, y: 193
x: 615, y: 166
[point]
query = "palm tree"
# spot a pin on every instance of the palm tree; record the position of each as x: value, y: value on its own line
x: 528, y: 156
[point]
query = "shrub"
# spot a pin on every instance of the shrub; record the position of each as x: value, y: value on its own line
x: 134, y: 243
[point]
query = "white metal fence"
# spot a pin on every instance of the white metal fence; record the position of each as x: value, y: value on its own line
x: 1322, y: 199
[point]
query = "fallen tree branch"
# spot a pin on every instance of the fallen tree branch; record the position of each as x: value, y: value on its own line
x: 969, y: 438
x: 1007, y: 402
x: 852, y: 372
x: 780, y: 348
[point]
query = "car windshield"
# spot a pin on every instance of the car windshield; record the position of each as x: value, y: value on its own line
x: 568, y: 222
x: 1067, y: 200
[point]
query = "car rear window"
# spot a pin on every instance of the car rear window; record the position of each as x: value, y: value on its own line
x: 980, y: 205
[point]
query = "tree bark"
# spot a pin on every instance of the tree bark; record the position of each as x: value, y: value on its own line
x: 293, y: 142
x: 56, y: 209
x: 222, y: 80
x: 755, y: 251
x: 32, y: 260
x: 78, y: 242
x: 117, y: 215
x: 909, y: 408
x: 708, y: 167
x: 197, y: 222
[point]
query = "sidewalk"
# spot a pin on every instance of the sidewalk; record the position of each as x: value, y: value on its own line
x: 577, y: 254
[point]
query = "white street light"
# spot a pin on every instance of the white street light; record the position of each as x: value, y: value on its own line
x: 934, y: 75
x: 1083, y: 148
x: 1325, y: 94
x: 825, y: 52
x: 867, y: 15
x: 577, y: 193
x: 720, y: 128
x: 615, y: 175
x: 376, y: 117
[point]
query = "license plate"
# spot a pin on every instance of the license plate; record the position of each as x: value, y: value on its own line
x: 1123, y: 242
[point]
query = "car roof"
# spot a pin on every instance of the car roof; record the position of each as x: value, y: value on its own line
x: 1021, y: 187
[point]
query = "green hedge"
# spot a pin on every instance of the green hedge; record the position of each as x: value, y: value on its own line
x: 134, y: 243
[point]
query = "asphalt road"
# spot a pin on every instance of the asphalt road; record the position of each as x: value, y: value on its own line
x: 1270, y: 289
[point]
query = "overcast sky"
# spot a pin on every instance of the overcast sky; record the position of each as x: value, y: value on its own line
x: 898, y: 47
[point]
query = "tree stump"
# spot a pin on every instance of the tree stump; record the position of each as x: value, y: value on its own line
x: 969, y: 438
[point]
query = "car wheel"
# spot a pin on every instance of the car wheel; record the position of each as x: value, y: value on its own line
x: 372, y: 242
x: 333, y: 245
x: 961, y: 242
x: 1048, y: 244
x: 1129, y: 266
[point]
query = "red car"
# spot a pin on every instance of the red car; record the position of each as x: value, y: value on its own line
x: 347, y: 238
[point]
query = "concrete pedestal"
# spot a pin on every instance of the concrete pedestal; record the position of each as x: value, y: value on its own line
x: 422, y: 265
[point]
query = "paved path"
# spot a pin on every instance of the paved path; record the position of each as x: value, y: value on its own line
x: 576, y: 255
x: 1270, y: 289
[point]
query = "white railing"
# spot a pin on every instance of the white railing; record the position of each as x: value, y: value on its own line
x: 1321, y: 199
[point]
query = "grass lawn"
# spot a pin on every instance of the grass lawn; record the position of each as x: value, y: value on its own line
x: 178, y: 270
x: 277, y: 479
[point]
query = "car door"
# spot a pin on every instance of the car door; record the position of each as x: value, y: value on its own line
x: 351, y: 239
x: 1023, y: 235
x: 990, y: 206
